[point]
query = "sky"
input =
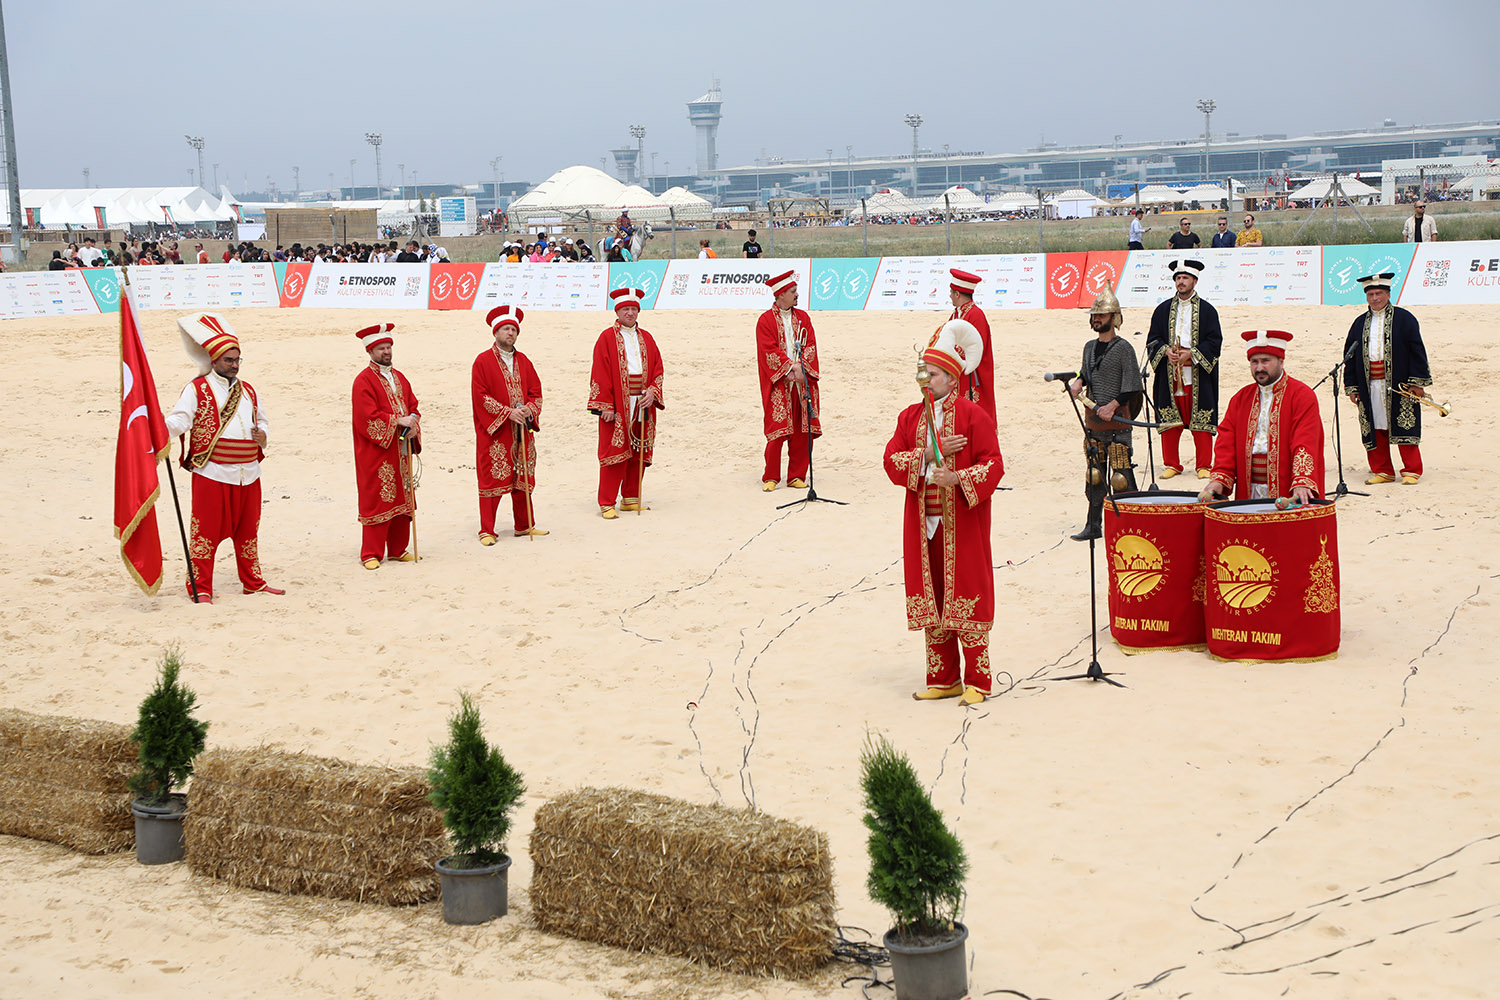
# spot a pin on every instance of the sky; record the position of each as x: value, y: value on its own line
x: 116, y: 86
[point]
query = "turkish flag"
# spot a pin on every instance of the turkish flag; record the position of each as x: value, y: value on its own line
x: 142, y: 443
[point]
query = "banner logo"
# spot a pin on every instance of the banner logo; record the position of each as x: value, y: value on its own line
x: 1138, y: 565
x: 1244, y: 578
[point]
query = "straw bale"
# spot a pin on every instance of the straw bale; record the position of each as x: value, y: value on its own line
x: 727, y: 887
x: 294, y: 823
x: 64, y: 780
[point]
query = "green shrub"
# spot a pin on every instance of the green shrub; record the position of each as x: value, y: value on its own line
x: 475, y: 789
x: 917, y: 865
x: 166, y: 734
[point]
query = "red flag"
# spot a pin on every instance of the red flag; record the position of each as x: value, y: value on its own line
x: 142, y: 443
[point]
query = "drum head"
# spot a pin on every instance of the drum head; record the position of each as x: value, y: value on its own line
x: 1260, y: 506
x: 1157, y: 497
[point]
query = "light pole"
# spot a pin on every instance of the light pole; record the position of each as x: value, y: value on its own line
x: 402, y: 167
x: 945, y: 166
x: 495, y: 169
x: 216, y: 177
x: 915, y: 122
x: 1207, y: 107
x: 351, y: 178
x: 375, y: 139
x: 654, y: 174
x: 849, y: 170
x: 85, y: 176
x: 196, y: 141
x: 296, y: 183
x: 12, y: 171
x: 639, y: 131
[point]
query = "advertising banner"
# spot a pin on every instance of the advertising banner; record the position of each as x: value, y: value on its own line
x: 104, y: 282
x: 1104, y: 267
x: 728, y: 284
x: 454, y: 286
x: 1343, y: 266
x: 366, y: 286
x: 840, y: 283
x: 205, y: 286
x: 1010, y: 281
x: 1257, y: 276
x: 564, y: 287
x: 1444, y: 273
x: 1065, y: 273
x: 647, y: 275
x: 45, y: 293
x: 292, y: 282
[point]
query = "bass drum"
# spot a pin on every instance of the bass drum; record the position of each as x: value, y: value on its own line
x: 1154, y: 545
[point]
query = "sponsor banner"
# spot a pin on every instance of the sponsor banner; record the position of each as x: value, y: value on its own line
x: 104, y: 282
x: 25, y: 294
x: 840, y: 283
x: 1065, y: 273
x: 1244, y: 276
x: 1449, y: 273
x: 205, y: 286
x: 1104, y: 267
x: 565, y: 287
x: 366, y: 286
x: 1343, y: 266
x: 728, y: 284
x: 1011, y: 281
x: 454, y: 286
x: 291, y: 282
x: 647, y: 275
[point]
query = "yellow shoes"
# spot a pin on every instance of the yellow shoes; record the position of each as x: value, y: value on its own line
x: 372, y: 564
x: 768, y: 486
x: 407, y: 557
x: 637, y: 505
x: 1169, y: 472
x: 1379, y: 479
x: 487, y: 539
x: 531, y: 531
x: 933, y: 694
x: 796, y: 484
x: 1204, y: 473
x: 972, y: 696
x: 1407, y: 479
x: 608, y: 513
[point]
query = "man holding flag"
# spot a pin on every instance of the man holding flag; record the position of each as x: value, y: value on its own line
x: 142, y: 442
x: 223, y: 429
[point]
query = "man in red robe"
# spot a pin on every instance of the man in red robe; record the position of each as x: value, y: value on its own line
x: 625, y: 391
x: 1270, y: 442
x: 979, y: 385
x: 223, y: 451
x: 786, y: 354
x: 950, y: 580
x: 387, y: 433
x: 507, y: 400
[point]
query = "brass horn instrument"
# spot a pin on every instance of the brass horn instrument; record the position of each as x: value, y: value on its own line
x: 1443, y: 408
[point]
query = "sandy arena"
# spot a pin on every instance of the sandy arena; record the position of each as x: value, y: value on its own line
x: 1214, y: 830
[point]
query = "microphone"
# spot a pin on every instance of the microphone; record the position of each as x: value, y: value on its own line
x: 1065, y: 376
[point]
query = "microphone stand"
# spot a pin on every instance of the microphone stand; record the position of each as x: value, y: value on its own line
x: 1094, y: 671
x: 1150, y: 406
x: 1342, y: 489
x: 808, y: 414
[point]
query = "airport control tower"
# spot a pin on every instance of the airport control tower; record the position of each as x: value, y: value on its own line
x: 704, y: 114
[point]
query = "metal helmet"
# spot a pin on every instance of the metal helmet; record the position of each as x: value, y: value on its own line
x: 1106, y: 304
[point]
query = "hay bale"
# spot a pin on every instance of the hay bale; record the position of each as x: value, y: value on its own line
x: 293, y: 823
x: 64, y: 780
x: 726, y: 887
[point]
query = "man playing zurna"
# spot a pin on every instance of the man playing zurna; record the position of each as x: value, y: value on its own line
x: 223, y: 451
x: 786, y: 356
x: 945, y: 454
x: 507, y: 402
x: 387, y: 433
x: 625, y: 391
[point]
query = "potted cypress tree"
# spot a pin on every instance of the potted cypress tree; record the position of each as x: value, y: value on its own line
x: 917, y: 871
x: 476, y: 790
x: 167, y: 738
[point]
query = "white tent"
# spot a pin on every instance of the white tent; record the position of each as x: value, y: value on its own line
x: 1012, y: 201
x: 1318, y: 189
x: 960, y: 200
x: 686, y: 203
x: 1074, y: 203
x: 1210, y: 193
x: 888, y: 202
x: 572, y: 190
x: 62, y: 207
x: 1155, y: 194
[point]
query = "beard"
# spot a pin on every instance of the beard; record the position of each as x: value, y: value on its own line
x: 1264, y: 378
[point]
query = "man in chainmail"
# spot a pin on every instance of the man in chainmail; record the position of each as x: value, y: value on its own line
x: 1111, y: 377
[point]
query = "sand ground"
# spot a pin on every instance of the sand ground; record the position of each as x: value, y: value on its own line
x: 1215, y: 830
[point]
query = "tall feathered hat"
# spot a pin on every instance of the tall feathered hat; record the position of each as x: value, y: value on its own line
x: 956, y: 349
x: 206, y: 337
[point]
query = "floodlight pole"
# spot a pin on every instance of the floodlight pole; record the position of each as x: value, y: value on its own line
x: 915, y: 121
x: 1207, y: 107
x: 197, y: 141
x: 375, y: 139
x: 12, y: 173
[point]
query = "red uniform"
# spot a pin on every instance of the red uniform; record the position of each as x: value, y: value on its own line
x: 1294, y: 443
x: 979, y: 387
x: 505, y: 461
x: 626, y: 443
x: 950, y: 579
x: 382, y: 466
x: 783, y: 401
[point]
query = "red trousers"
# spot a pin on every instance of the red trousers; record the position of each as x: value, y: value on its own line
x: 388, y: 539
x: 1380, y: 458
x: 943, y: 644
x: 622, y: 480
x: 490, y: 506
x: 1203, y: 442
x: 221, y: 511
x: 798, y: 460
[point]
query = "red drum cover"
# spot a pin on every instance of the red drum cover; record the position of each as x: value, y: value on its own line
x: 1154, y: 548
x: 1273, y: 581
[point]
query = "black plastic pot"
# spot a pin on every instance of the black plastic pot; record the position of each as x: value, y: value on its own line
x: 474, y: 895
x: 930, y: 972
x: 158, y: 830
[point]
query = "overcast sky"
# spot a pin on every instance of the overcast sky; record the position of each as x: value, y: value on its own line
x: 115, y: 86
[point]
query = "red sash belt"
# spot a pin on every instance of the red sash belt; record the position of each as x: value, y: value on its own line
x: 1377, y: 370
x: 932, y: 501
x: 1258, y: 474
x: 231, y: 451
x: 635, y: 384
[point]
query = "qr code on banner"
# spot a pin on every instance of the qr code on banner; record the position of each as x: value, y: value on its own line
x: 1435, y: 273
x: 320, y: 287
x: 679, y: 284
x: 413, y: 286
